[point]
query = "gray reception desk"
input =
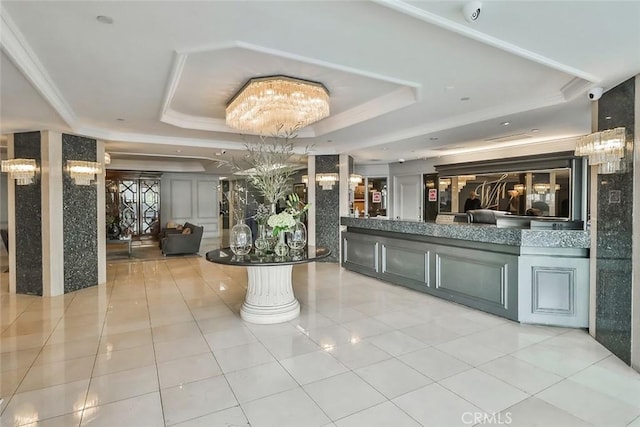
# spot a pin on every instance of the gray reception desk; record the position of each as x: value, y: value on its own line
x: 530, y: 276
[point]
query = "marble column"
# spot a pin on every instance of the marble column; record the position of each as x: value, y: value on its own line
x: 327, y: 217
x: 614, y: 230
x: 54, y: 229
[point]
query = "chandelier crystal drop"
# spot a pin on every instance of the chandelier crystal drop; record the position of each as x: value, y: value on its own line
x: 267, y: 104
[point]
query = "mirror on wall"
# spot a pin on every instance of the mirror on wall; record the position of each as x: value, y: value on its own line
x: 535, y: 193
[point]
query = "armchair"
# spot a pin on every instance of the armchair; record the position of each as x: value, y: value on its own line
x: 177, y: 243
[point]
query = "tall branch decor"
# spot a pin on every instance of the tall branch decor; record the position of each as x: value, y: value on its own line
x: 268, y: 164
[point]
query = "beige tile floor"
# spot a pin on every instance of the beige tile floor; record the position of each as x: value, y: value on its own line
x: 162, y: 344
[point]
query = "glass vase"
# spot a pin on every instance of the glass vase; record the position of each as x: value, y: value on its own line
x: 281, y: 249
x: 241, y: 239
x: 297, y: 237
x: 262, y: 243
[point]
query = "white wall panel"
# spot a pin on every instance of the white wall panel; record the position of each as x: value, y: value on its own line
x: 191, y: 198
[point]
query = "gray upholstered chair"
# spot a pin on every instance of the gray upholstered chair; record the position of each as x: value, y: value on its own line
x: 178, y: 244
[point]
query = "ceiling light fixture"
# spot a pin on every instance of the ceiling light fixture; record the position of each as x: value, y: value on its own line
x: 266, y: 104
x: 606, y: 149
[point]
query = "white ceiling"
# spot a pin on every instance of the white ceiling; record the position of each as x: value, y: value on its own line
x: 397, y: 72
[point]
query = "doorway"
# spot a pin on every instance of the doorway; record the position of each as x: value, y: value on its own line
x: 133, y: 206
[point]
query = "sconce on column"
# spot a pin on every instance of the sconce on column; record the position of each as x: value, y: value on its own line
x: 326, y: 180
x: 83, y: 172
x: 23, y: 171
x: 354, y: 180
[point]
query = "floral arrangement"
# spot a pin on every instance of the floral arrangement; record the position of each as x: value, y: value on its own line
x: 262, y: 214
x: 281, y: 222
x: 296, y: 207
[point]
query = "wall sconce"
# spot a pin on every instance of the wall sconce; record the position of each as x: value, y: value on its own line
x: 444, y: 184
x: 83, y: 172
x: 354, y: 180
x: 326, y: 180
x: 107, y: 158
x: 23, y: 171
x: 305, y: 179
x: 606, y: 149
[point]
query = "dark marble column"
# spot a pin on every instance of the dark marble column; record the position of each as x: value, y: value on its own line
x: 28, y: 220
x: 328, y: 208
x: 614, y: 230
x: 79, y: 218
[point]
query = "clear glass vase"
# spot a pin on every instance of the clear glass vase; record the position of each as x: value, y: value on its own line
x: 281, y: 249
x: 297, y: 237
x: 241, y: 239
x: 262, y: 243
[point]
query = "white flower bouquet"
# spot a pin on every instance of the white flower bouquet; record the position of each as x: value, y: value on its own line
x: 281, y: 222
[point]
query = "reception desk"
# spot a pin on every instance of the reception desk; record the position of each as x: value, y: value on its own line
x: 531, y: 276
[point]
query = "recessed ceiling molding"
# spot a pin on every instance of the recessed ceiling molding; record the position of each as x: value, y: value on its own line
x: 18, y: 50
x: 409, y: 93
x: 399, y: 98
x: 471, y: 33
x: 212, y: 124
x: 300, y: 58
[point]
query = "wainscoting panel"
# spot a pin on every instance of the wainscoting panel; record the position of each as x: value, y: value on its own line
x: 408, y: 263
x: 361, y: 254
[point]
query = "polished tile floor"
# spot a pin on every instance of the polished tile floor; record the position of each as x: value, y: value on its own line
x: 162, y: 344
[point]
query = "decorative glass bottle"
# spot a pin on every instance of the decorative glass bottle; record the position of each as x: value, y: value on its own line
x: 297, y: 237
x: 241, y: 239
x: 281, y: 249
x: 262, y: 242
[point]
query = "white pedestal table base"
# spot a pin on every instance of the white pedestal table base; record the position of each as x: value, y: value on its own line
x: 270, y: 296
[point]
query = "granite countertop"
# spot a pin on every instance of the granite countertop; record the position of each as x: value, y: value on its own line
x: 485, y: 233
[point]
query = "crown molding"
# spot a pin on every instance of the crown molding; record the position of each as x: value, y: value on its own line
x: 464, y: 30
x: 18, y: 50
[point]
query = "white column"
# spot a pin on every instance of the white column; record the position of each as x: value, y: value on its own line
x: 311, y: 198
x: 52, y: 214
x: 593, y: 208
x: 102, y: 221
x: 269, y: 297
x: 11, y: 213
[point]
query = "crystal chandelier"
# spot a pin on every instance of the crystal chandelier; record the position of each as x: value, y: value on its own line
x: 606, y: 149
x: 267, y: 104
x: 21, y: 170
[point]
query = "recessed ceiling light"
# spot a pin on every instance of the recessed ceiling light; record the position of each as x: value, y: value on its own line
x: 535, y: 130
x: 505, y: 123
x: 608, y: 118
x: 385, y: 148
x: 104, y: 19
x: 450, y: 87
x: 433, y: 138
x: 401, y: 160
x: 178, y: 151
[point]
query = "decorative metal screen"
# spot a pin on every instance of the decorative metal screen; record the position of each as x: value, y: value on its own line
x: 139, y: 205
